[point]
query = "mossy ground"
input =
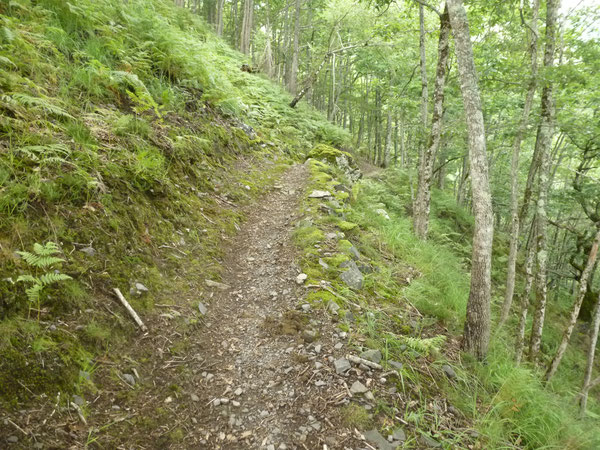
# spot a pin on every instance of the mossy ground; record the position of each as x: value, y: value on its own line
x: 128, y: 129
x: 411, y: 308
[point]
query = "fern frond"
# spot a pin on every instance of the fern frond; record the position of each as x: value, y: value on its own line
x: 425, y: 345
x: 29, y: 258
x: 46, y: 261
x: 33, y: 293
x: 50, y: 248
x: 40, y: 103
x: 49, y: 278
x: 27, y: 278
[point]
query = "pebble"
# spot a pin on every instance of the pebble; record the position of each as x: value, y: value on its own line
x: 449, y: 371
x: 369, y: 396
x: 338, y: 345
x: 358, y: 388
x: 195, y: 398
x: 342, y: 365
x: 12, y: 439
x: 129, y: 378
x: 202, y: 308
x: 318, y: 348
x: 372, y: 355
x: 238, y: 392
x: 300, y: 279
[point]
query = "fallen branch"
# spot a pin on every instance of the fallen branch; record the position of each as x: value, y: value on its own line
x: 130, y: 310
x: 366, y: 362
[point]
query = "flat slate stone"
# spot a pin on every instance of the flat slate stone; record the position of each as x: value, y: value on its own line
x: 371, y: 355
x: 342, y: 365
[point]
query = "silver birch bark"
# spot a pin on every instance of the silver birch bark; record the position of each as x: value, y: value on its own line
x: 477, y: 325
x: 543, y: 143
x: 293, y: 79
x: 514, y: 168
x: 583, y: 283
x: 520, y: 341
x: 587, y: 380
x: 422, y: 202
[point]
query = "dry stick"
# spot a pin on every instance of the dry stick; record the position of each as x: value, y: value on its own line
x: 366, y: 362
x: 130, y: 310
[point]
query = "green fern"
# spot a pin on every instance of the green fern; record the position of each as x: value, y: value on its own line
x: 40, y: 103
x: 426, y: 345
x: 43, y: 257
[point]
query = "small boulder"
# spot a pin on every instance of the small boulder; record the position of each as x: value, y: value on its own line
x: 319, y: 194
x: 449, y: 371
x: 300, y: 279
x: 372, y: 355
x: 358, y: 388
x: 342, y: 365
x: 375, y: 438
x: 352, y: 277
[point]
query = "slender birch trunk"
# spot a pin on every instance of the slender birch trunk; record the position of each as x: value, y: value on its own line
x: 520, y: 342
x: 583, y: 284
x: 477, y: 325
x: 514, y: 168
x: 543, y: 145
x: 422, y: 202
x: 587, y: 380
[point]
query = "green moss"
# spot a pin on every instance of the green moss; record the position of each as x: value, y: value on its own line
x: 336, y: 260
x: 346, y: 226
x: 308, y: 236
x: 344, y: 245
x: 327, y: 153
x: 355, y: 416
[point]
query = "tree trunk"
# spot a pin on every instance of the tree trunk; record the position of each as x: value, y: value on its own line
x: 514, y: 169
x: 477, y: 325
x: 293, y: 79
x: 583, y: 284
x: 247, y: 26
x: 388, y: 139
x: 587, y: 380
x: 543, y: 144
x: 422, y: 202
x: 219, y: 19
x: 423, y: 63
x: 520, y: 343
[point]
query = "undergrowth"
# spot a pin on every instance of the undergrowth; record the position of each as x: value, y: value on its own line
x: 412, y: 308
x: 130, y: 136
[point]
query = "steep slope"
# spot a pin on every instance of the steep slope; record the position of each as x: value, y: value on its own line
x: 130, y: 137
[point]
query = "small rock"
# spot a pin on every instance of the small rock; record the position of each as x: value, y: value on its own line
x: 369, y: 396
x: 300, y: 279
x: 270, y: 447
x: 217, y: 285
x: 354, y: 252
x: 264, y: 413
x: 352, y: 277
x: 305, y: 307
x: 238, y: 392
x: 88, y: 251
x: 333, y: 307
x: 235, y: 403
x: 429, y: 442
x: 372, y: 355
x: 318, y: 365
x: 217, y: 402
x: 382, y: 212
x: 309, y: 336
x: 399, y: 435
x: 358, y: 388
x: 323, y: 264
x: 449, y: 371
x: 342, y: 365
x: 195, y: 398
x: 12, y: 439
x: 78, y: 400
x: 169, y: 400
x: 395, y: 364
x: 318, y: 348
x: 320, y: 383
x: 224, y: 401
x: 319, y: 194
x: 338, y: 346
x: 375, y: 437
x: 130, y: 379
x: 349, y: 316
x: 202, y: 308
x: 140, y: 287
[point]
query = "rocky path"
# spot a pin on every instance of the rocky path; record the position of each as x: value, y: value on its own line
x: 267, y: 386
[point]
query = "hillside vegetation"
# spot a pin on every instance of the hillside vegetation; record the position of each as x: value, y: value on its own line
x: 128, y: 136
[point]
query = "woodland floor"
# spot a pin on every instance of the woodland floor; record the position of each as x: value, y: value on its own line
x: 255, y: 371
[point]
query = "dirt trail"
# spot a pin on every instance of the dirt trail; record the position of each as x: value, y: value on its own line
x: 261, y: 390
